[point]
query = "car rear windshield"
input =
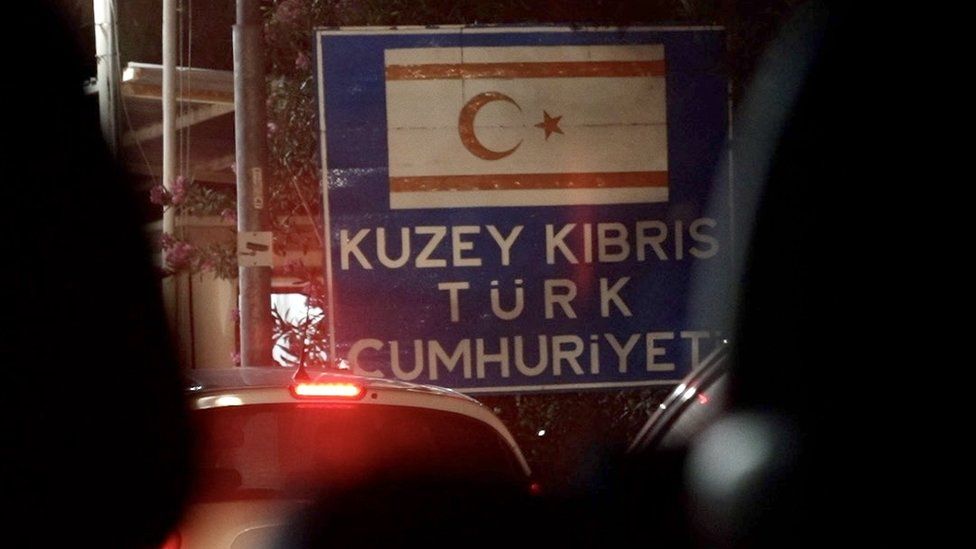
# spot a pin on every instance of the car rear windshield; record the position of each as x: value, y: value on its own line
x: 280, y: 450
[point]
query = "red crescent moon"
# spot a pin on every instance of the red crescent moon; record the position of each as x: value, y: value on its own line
x: 466, y: 125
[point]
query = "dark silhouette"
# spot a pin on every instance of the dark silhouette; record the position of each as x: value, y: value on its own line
x: 95, y: 436
x: 761, y: 475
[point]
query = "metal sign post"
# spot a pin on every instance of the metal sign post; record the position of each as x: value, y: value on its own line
x: 250, y: 127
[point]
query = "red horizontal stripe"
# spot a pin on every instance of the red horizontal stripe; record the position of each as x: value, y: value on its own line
x: 554, y: 69
x: 598, y: 180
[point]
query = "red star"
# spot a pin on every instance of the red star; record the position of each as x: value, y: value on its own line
x: 550, y: 124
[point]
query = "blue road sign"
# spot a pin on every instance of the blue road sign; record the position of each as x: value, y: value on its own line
x: 521, y: 209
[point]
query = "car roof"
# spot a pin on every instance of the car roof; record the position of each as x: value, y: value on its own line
x: 219, y: 387
x: 217, y: 379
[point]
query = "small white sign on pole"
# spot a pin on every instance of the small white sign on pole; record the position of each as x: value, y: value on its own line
x: 254, y: 249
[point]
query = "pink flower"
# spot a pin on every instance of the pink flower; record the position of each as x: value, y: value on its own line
x: 159, y: 195
x: 178, y: 255
x: 180, y: 190
x: 289, y: 11
x: 301, y: 62
x: 166, y: 240
x: 228, y: 215
x: 235, y: 357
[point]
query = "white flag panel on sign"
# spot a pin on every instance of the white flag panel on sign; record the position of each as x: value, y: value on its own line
x: 526, y: 126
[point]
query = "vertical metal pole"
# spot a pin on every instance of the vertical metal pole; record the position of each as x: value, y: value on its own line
x: 169, y: 106
x: 252, y: 213
x: 169, y: 39
x: 106, y: 75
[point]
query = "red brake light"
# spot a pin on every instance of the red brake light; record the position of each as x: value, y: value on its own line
x: 328, y: 389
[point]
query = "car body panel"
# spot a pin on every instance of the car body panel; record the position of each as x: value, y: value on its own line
x: 247, y: 523
x: 238, y: 524
x: 248, y: 386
